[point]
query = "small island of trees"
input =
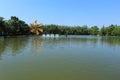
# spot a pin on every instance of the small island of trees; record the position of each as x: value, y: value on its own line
x: 14, y: 26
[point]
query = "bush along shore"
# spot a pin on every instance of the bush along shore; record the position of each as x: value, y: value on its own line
x: 14, y: 26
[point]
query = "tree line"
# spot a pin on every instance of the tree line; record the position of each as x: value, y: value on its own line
x: 15, y: 26
x: 112, y: 30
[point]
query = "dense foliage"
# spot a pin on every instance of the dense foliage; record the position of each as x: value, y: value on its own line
x: 112, y: 30
x: 15, y: 26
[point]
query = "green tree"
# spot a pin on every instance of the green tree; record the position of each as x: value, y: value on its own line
x: 16, y: 26
x: 2, y: 26
x: 116, y: 31
x: 85, y: 30
x: 94, y: 30
x: 109, y: 30
x: 103, y: 31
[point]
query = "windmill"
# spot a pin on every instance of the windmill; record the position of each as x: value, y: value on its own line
x: 36, y: 28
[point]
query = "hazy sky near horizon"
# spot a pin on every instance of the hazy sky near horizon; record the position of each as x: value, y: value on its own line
x: 63, y: 12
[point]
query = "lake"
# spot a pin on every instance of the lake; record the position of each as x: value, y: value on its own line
x: 63, y: 58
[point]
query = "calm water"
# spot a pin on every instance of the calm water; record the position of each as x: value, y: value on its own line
x: 71, y: 58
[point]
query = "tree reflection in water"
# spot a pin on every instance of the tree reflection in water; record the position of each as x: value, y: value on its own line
x: 13, y: 45
x: 20, y: 44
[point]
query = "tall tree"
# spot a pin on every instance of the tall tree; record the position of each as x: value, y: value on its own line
x: 94, y: 30
x: 16, y: 26
x: 2, y: 26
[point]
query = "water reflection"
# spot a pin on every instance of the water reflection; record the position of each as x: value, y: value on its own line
x: 112, y: 41
x: 37, y: 45
x: 16, y: 45
x: 71, y: 58
x: 12, y: 45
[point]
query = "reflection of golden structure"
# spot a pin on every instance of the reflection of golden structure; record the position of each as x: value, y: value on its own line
x: 37, y: 45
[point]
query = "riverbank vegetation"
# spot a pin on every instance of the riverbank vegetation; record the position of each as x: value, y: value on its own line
x: 15, y: 26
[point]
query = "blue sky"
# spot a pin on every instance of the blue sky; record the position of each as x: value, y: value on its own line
x: 63, y: 12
